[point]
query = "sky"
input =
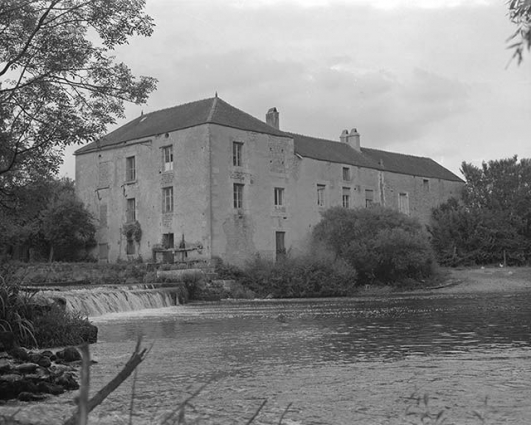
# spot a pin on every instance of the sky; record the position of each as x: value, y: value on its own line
x: 431, y: 78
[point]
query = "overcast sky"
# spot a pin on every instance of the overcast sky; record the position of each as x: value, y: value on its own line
x: 423, y: 77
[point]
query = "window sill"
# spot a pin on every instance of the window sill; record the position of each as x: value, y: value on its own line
x: 131, y: 181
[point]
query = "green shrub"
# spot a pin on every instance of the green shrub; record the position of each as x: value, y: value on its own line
x: 381, y: 244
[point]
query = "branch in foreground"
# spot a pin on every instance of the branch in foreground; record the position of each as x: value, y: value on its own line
x: 137, y: 357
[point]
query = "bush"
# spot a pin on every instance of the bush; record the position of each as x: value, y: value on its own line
x: 381, y: 244
x: 302, y: 277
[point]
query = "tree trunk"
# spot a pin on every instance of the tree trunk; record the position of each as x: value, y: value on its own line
x: 50, y: 258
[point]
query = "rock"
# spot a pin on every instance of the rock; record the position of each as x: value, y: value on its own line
x: 5, y: 366
x: 67, y: 381
x: 44, y: 362
x: 10, y: 378
x: 27, y: 396
x: 49, y: 388
x: 26, y: 368
x: 20, y: 354
x: 69, y: 354
x: 89, y: 333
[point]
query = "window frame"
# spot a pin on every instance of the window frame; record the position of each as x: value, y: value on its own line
x: 278, y: 197
x: 237, y: 195
x: 346, y: 174
x: 130, y: 171
x: 237, y: 154
x: 167, y: 194
x: 321, y: 202
x: 345, y: 196
x: 130, y: 213
x: 167, y: 158
x: 369, y: 200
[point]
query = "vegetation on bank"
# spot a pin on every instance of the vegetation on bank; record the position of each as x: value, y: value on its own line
x: 36, y: 322
x: 491, y: 222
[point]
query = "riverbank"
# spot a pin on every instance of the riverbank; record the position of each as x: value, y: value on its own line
x: 486, y: 279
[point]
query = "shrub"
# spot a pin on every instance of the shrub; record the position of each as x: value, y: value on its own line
x: 305, y: 276
x: 381, y: 244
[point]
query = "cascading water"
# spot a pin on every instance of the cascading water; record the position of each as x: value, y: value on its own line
x: 102, y: 300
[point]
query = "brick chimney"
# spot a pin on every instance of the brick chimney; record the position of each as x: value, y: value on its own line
x: 343, y: 137
x: 272, y: 118
x: 353, y: 139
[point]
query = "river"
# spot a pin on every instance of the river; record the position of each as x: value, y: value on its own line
x: 365, y: 360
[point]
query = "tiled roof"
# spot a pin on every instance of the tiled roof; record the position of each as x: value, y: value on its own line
x: 216, y: 111
x: 409, y: 164
x: 339, y: 152
x: 328, y: 150
x: 206, y: 111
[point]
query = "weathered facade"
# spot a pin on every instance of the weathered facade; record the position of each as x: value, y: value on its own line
x: 205, y: 180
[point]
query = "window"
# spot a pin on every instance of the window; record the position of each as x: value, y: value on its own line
x: 237, y: 148
x: 280, y: 244
x: 103, y: 215
x: 346, y: 197
x: 167, y: 200
x: 346, y: 174
x: 403, y: 203
x: 103, y: 251
x: 369, y: 197
x: 167, y: 240
x: 167, y: 158
x: 321, y: 195
x: 130, y: 210
x: 238, y: 195
x: 279, y: 196
x: 130, y: 169
x: 426, y: 185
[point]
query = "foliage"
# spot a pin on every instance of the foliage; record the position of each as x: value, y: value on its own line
x: 520, y: 14
x: 381, y: 244
x: 54, y: 224
x: 132, y: 231
x: 59, y: 85
x: 492, y: 222
x: 55, y: 327
x: 15, y: 307
x: 298, y: 277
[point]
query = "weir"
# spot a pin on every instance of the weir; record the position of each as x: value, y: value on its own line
x: 97, y: 301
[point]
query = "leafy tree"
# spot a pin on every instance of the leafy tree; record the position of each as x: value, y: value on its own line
x: 66, y: 225
x: 492, y: 222
x: 380, y: 243
x: 520, y: 14
x: 52, y: 222
x: 59, y: 85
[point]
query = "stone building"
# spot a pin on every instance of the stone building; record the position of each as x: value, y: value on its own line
x: 205, y: 179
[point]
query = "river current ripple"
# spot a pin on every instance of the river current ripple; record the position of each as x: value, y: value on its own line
x: 334, y: 361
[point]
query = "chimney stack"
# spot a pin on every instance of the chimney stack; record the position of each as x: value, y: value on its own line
x: 353, y: 139
x: 272, y: 118
x: 343, y: 137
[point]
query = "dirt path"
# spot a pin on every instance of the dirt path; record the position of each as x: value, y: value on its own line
x: 509, y: 279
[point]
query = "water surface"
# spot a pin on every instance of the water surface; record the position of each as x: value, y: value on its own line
x: 337, y: 361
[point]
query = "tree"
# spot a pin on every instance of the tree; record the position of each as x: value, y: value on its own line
x: 381, y: 244
x: 49, y: 220
x: 66, y: 225
x: 520, y: 14
x: 492, y: 221
x: 59, y: 85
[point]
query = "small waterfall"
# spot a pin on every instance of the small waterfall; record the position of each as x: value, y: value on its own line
x: 102, y: 300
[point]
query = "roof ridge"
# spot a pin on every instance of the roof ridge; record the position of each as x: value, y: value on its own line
x: 396, y: 153
x: 212, y: 109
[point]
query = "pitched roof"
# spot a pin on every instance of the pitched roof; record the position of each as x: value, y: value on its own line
x: 216, y: 111
x: 207, y: 111
x: 332, y: 151
x: 409, y: 164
